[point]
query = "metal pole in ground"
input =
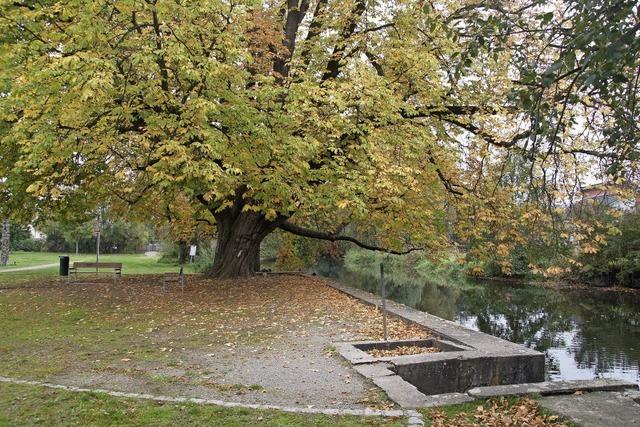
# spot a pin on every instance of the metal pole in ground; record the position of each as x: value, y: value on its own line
x: 384, y: 302
x: 98, y: 223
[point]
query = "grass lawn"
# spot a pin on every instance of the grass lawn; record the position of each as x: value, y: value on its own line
x: 30, y: 405
x: 26, y: 259
x: 131, y: 264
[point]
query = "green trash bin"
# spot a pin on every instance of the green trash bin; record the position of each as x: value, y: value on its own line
x: 64, y: 265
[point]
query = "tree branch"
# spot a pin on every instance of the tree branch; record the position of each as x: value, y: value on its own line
x: 448, y: 185
x: 314, y: 234
x: 448, y: 110
x: 315, y: 28
x: 162, y: 64
x: 491, y: 139
x: 295, y: 12
x: 335, y: 63
x: 377, y: 28
x: 20, y: 4
x: 375, y: 62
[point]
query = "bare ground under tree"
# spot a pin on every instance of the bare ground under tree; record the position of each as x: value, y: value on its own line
x: 259, y: 340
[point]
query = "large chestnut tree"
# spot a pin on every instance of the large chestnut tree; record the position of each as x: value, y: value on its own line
x: 409, y: 122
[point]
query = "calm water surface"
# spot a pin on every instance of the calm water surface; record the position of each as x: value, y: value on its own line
x: 584, y: 334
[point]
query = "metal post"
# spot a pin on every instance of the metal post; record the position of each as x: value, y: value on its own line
x: 384, y: 302
x: 98, y: 223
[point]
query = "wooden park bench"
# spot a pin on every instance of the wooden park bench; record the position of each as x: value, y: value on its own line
x: 173, y: 277
x: 114, y: 268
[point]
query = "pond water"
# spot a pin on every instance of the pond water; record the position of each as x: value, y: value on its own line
x: 584, y: 334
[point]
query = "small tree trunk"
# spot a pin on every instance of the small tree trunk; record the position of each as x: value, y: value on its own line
x: 5, y: 242
x: 182, y: 252
x: 238, y: 246
x: 76, y: 246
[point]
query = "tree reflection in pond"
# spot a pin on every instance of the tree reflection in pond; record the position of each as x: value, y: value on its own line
x: 584, y: 334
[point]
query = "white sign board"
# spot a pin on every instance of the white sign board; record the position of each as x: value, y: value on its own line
x: 192, y: 250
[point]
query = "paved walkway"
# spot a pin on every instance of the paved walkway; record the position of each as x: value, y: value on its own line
x: 31, y: 267
x: 601, y: 408
x: 589, y: 403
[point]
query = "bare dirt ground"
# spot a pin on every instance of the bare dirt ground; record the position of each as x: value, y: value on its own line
x: 258, y: 340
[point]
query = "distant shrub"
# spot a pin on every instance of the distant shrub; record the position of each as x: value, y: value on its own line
x: 449, y: 266
x: 287, y: 258
x: 170, y: 252
x: 28, y: 245
x: 204, y: 259
x: 618, y: 262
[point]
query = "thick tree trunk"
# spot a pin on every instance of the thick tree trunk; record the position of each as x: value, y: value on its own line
x: 238, y: 246
x: 5, y: 243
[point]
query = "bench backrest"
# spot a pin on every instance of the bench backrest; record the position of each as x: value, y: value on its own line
x: 97, y: 265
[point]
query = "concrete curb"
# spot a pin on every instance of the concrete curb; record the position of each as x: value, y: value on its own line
x: 549, y: 388
x: 414, y: 418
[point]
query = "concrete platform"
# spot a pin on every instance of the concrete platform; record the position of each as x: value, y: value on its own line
x: 467, y: 358
x: 472, y: 365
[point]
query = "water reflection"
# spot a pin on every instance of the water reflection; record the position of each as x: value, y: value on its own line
x: 584, y: 334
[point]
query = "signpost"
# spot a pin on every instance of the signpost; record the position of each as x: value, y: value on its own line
x: 384, y: 302
x: 192, y: 253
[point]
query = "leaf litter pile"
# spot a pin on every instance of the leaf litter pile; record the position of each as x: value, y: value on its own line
x: 222, y: 310
x: 403, y: 350
x: 525, y: 412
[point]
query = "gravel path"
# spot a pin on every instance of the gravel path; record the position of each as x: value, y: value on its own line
x: 295, y: 371
x: 32, y: 267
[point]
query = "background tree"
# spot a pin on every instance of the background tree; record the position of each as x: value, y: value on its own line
x: 22, y: 239
x: 5, y: 242
x: 123, y: 236
x: 117, y: 236
x: 297, y: 115
x: 74, y: 232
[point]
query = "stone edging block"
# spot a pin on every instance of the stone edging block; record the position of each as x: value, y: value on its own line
x: 553, y: 387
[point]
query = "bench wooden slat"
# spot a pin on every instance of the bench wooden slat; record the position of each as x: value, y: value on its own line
x: 116, y: 272
x: 96, y: 268
x: 97, y: 264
